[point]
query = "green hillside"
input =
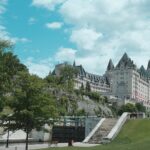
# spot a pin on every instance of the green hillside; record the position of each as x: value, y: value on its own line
x: 135, y: 135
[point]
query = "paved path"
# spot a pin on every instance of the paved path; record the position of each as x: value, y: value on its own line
x: 39, y: 146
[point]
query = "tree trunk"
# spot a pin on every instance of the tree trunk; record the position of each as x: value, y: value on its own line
x: 27, y: 134
x: 7, y: 142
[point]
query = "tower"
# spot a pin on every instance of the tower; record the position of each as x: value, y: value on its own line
x: 148, y: 66
x: 74, y: 63
x: 110, y: 65
x: 148, y: 70
x: 109, y: 72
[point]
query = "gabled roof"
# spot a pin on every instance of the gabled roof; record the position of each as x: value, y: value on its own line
x: 92, y: 77
x: 110, y: 65
x: 148, y: 69
x: 143, y: 72
x: 81, y: 70
x: 126, y: 62
x: 148, y: 66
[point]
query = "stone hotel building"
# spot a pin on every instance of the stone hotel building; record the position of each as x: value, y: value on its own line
x: 123, y: 81
x: 129, y: 82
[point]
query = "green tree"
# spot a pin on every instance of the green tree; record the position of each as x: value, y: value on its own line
x: 31, y: 106
x: 4, y: 45
x: 88, y: 87
x: 95, y: 96
x: 9, y: 66
x: 63, y: 105
x: 140, y: 107
x: 52, y: 81
x: 82, y: 88
x: 67, y: 77
x: 127, y: 108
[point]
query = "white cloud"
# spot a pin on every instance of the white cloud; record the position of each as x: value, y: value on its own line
x: 65, y: 54
x: 85, y: 38
x: 44, y: 66
x: 7, y: 36
x: 22, y: 40
x: 54, y: 25
x: 107, y: 28
x: 2, y: 6
x: 40, y: 68
x: 32, y: 20
x: 92, y: 63
x: 4, y: 34
x: 123, y: 25
x: 48, y: 4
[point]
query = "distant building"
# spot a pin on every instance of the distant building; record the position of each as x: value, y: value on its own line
x: 97, y: 83
x: 123, y: 81
x: 129, y: 82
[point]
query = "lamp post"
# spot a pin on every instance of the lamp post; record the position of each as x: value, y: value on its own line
x: 7, y: 142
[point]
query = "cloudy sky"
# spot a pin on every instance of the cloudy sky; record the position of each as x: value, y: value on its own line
x: 48, y: 32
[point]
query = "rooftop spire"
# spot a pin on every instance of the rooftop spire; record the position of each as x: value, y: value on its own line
x: 110, y: 65
x: 148, y: 67
x: 142, y: 68
x: 126, y: 62
x: 143, y: 71
x: 74, y: 63
x: 125, y: 56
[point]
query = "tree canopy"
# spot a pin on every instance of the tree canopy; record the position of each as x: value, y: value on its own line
x: 31, y: 106
x: 24, y: 94
x: 9, y: 66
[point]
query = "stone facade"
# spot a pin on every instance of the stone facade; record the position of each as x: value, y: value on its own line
x: 124, y: 81
x: 97, y: 83
x: 129, y: 82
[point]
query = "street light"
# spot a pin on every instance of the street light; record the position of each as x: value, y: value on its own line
x: 7, y: 142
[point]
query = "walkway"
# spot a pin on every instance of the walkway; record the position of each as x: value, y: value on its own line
x: 39, y: 146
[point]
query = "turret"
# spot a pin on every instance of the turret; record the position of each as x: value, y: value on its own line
x: 110, y: 65
x: 126, y: 62
x: 125, y: 57
x: 148, y: 70
x: 148, y: 66
x: 143, y: 72
x: 74, y: 64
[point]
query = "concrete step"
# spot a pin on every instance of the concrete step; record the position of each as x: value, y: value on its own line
x: 103, y: 130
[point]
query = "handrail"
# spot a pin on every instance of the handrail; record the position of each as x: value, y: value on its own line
x: 94, y: 130
x: 116, y: 129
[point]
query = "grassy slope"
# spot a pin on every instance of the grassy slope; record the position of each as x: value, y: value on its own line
x: 135, y: 135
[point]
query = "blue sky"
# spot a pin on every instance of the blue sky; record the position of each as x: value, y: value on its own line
x: 46, y: 32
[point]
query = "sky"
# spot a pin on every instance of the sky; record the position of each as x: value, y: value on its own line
x: 48, y: 32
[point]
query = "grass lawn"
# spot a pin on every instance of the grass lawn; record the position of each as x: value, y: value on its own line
x: 135, y: 135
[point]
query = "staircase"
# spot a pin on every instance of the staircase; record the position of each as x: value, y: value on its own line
x: 103, y: 130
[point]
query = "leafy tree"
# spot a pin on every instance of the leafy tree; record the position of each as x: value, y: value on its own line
x: 88, y: 87
x: 31, y: 106
x: 52, y: 81
x: 105, y: 99
x: 63, y: 105
x: 82, y: 88
x: 140, y: 107
x: 127, y: 108
x: 96, y: 96
x: 81, y: 112
x: 67, y: 77
x: 9, y: 66
x: 4, y: 45
x: 73, y: 107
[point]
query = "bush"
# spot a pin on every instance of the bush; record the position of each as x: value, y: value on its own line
x: 140, y: 107
x: 127, y: 108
